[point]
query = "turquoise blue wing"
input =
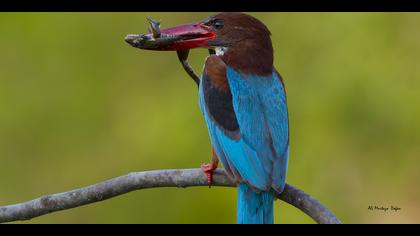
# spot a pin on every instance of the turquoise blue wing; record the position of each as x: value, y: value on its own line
x: 256, y: 153
x: 261, y: 109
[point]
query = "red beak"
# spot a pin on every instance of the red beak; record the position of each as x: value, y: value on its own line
x: 177, y: 38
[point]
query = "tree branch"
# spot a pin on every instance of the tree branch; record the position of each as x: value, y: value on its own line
x: 150, y: 179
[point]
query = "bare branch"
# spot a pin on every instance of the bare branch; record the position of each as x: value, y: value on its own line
x: 150, y: 179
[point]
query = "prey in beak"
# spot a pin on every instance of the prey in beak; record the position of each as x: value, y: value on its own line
x: 154, y: 40
x: 176, y: 38
x: 179, y: 38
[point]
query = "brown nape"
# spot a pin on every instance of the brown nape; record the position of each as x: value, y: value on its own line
x: 250, y: 50
x: 250, y: 58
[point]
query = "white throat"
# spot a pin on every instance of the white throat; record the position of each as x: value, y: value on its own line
x: 220, y: 51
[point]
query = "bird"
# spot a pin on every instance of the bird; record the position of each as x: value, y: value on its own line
x: 243, y: 101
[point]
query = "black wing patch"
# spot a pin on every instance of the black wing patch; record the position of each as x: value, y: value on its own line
x: 219, y: 106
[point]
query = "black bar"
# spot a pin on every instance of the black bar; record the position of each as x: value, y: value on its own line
x: 209, y: 5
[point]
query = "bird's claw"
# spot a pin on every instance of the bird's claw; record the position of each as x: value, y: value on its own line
x: 208, y: 170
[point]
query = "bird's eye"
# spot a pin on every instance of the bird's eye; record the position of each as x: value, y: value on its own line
x: 218, y: 24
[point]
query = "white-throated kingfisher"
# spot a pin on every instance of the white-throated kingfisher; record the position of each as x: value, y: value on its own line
x: 243, y: 101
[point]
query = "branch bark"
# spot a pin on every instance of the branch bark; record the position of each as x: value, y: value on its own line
x: 150, y: 179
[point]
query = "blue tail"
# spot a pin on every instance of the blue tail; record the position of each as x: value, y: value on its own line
x: 254, y: 208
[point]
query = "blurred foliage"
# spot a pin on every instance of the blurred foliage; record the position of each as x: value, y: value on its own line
x: 78, y: 105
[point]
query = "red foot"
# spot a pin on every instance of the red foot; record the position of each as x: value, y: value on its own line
x: 208, y: 170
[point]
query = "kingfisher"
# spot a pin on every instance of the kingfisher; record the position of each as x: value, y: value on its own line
x: 243, y: 101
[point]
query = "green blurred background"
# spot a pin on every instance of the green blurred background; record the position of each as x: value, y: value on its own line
x: 78, y: 105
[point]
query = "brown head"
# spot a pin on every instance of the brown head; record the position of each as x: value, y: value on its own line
x: 243, y: 41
